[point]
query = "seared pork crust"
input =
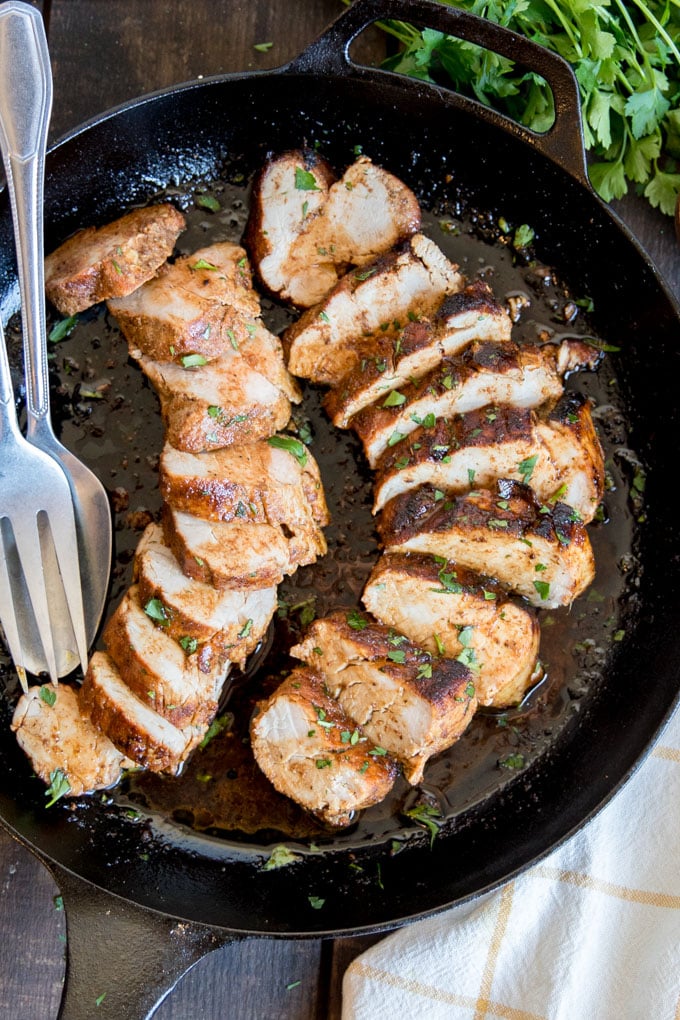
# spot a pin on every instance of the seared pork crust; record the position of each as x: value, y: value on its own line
x: 137, y: 731
x: 570, y: 436
x: 376, y: 301
x: 313, y: 753
x: 58, y: 734
x: 201, y: 304
x: 451, y: 611
x: 541, y: 552
x: 485, y: 373
x: 412, y: 704
x: 238, y: 553
x: 224, y: 402
x: 257, y: 482
x: 232, y: 620
x: 305, y: 228
x: 390, y: 362
x: 98, y: 263
x: 182, y: 686
x: 557, y: 456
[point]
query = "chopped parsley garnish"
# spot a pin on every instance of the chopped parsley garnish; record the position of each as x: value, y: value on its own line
x: 219, y: 724
x: 427, y: 815
x: 208, y: 202
x: 204, y: 264
x: 62, y: 329
x: 305, y: 180
x: 543, y: 589
x: 155, y: 609
x: 194, y: 361
x: 526, y: 468
x: 280, y: 857
x: 59, y: 786
x: 189, y: 644
x: 356, y: 621
x: 291, y: 445
x: 48, y: 695
x: 394, y: 399
x: 512, y: 761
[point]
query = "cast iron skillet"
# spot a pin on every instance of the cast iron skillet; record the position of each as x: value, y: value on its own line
x: 452, y: 151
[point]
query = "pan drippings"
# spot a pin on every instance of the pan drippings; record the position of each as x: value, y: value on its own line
x: 107, y: 414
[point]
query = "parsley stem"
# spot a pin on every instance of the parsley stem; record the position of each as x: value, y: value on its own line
x: 649, y: 15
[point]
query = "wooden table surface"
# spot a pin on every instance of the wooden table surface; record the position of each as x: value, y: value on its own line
x: 104, y: 52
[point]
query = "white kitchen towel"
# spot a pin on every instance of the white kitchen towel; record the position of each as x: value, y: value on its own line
x: 592, y: 932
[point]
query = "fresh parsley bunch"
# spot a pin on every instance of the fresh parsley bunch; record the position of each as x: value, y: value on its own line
x: 626, y: 57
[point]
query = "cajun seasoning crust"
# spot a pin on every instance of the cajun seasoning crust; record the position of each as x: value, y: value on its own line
x: 98, y: 263
x: 181, y: 687
x: 217, y: 405
x: 542, y: 553
x: 305, y: 244
x: 374, y: 301
x: 201, y: 304
x: 312, y: 752
x: 252, y: 481
x: 408, y: 351
x: 136, y: 730
x: 87, y: 757
x: 411, y: 704
x: 455, y: 612
x: 231, y: 620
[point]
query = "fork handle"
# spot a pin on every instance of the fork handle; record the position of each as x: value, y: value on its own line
x: 25, y: 108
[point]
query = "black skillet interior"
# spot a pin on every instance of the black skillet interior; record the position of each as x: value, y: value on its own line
x: 618, y: 692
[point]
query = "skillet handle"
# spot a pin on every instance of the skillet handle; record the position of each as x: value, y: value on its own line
x: 123, y: 960
x: 563, y: 143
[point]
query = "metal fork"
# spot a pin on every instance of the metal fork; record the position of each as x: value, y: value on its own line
x: 37, y: 523
x: 25, y: 107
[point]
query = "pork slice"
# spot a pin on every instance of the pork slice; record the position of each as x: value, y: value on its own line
x: 467, y: 451
x: 232, y: 620
x: 288, y: 190
x: 237, y: 553
x: 329, y: 340
x: 451, y: 611
x: 410, y: 703
x: 261, y: 482
x: 313, y: 753
x: 571, y: 439
x: 136, y: 729
x: 202, y: 304
x: 182, y: 685
x: 301, y: 244
x: 390, y: 362
x: 111, y: 261
x: 540, y: 552
x: 559, y: 456
x: 217, y: 404
x: 56, y: 734
x: 485, y: 373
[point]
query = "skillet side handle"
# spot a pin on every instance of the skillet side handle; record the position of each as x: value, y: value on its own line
x: 122, y: 960
x: 563, y: 143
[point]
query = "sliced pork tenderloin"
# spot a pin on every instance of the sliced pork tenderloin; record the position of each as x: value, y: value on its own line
x: 559, y: 456
x: 272, y: 481
x: 485, y: 373
x: 201, y: 305
x: 232, y: 620
x: 313, y: 753
x: 540, y: 552
x: 306, y: 228
x: 454, y: 612
x: 215, y: 405
x: 389, y: 362
x: 238, y: 553
x: 54, y: 731
x: 181, y: 684
x: 111, y: 261
x: 410, y: 703
x: 136, y: 729
x: 571, y: 438
x: 376, y: 301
